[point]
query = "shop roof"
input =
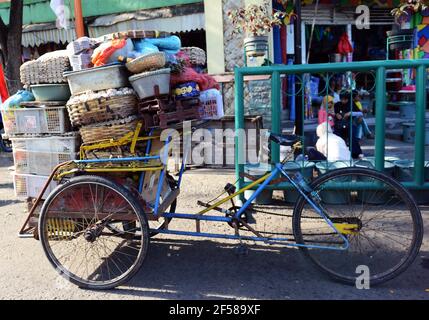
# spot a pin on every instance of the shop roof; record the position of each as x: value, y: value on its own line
x: 39, y: 11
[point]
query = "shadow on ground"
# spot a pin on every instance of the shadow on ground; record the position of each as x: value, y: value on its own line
x: 6, y: 185
x: 208, y: 270
x: 4, y: 203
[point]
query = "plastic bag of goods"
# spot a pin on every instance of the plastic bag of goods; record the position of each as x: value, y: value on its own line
x: 110, y: 51
x: 80, y: 52
x: 169, y: 45
x: 211, y: 105
x: 142, y: 47
x: 14, y: 101
x: 81, y: 45
x: 186, y: 91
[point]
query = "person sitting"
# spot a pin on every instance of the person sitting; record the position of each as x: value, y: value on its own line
x: 335, y: 88
x: 346, y: 113
x: 363, y: 128
x: 330, y: 145
x: 327, y: 111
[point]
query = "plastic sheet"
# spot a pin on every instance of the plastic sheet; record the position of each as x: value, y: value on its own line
x: 14, y: 101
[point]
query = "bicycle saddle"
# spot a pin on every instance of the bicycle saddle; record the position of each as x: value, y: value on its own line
x: 285, y: 140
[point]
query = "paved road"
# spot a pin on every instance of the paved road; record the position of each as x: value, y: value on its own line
x: 185, y: 268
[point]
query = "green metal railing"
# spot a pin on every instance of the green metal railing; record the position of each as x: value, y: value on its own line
x: 378, y: 68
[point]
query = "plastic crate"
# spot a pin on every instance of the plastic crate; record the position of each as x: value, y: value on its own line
x: 52, y: 120
x: 39, y: 163
x: 30, y: 186
x: 65, y: 144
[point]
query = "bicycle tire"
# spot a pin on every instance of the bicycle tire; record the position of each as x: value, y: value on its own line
x: 134, y: 204
x: 401, y: 191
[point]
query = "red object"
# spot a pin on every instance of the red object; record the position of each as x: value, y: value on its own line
x: 102, y: 55
x: 4, y: 94
x: 205, y: 81
x: 344, y: 45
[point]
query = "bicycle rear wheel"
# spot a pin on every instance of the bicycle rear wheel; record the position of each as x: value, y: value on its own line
x: 374, y: 212
x: 94, y: 232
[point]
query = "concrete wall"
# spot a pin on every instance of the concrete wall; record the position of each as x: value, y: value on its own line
x: 225, y: 52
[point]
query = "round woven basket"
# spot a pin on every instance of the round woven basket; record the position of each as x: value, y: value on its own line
x: 102, y: 110
x: 151, y: 61
x: 196, y: 55
x: 108, y: 130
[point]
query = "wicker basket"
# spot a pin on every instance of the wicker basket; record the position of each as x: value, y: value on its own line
x: 151, y: 61
x: 108, y: 130
x: 102, y: 110
x: 196, y: 55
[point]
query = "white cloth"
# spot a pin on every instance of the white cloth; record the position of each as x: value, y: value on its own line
x: 62, y: 12
x: 330, y: 145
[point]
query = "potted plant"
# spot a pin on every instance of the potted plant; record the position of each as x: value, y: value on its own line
x: 255, y: 21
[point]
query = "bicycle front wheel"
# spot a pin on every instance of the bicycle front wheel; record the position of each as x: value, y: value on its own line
x: 374, y: 212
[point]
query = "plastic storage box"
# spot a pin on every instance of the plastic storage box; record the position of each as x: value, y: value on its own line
x: 58, y: 144
x: 52, y: 120
x: 30, y: 186
x: 39, y: 163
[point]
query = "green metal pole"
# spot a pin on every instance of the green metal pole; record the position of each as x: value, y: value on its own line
x: 275, y: 115
x: 239, y: 126
x: 419, y: 170
x: 380, y: 127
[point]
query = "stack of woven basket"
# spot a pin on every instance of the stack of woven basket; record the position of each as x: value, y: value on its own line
x: 104, y: 115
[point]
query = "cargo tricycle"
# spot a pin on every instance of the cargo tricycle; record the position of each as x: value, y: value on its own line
x: 96, y: 226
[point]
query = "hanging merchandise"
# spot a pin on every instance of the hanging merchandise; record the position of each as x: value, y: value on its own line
x: 344, y: 45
